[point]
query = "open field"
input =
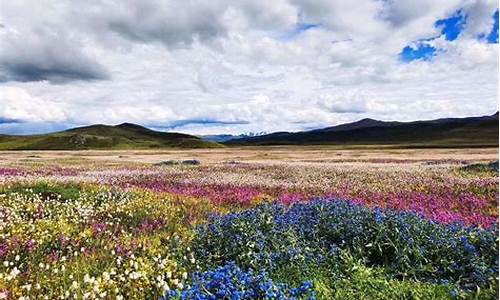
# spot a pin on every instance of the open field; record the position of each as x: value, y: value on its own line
x: 270, y: 154
x: 315, y: 222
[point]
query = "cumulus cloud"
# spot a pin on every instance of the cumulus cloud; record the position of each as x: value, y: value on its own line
x: 173, y: 23
x: 19, y: 106
x: 37, y: 45
x: 42, y: 55
x: 239, y: 66
x: 479, y: 17
x: 344, y: 102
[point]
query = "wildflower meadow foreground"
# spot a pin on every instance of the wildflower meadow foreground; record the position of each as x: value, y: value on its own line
x: 371, y: 229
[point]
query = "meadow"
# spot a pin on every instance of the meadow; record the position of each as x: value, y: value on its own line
x: 252, y: 223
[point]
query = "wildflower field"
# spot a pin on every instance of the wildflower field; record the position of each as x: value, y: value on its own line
x: 351, y: 228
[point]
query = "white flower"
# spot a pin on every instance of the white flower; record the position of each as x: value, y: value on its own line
x: 88, y: 279
x: 134, y: 275
x: 14, y: 273
x: 105, y: 276
x: 17, y: 258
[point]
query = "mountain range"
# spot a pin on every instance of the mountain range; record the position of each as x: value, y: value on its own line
x: 220, y: 138
x: 449, y: 132
x: 472, y: 131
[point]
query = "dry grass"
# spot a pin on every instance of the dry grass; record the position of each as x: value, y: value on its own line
x: 288, y: 154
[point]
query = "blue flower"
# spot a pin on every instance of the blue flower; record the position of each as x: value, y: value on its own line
x: 231, y: 282
x: 273, y: 236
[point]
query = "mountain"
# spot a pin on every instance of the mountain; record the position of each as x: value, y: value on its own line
x: 123, y: 136
x: 220, y: 138
x: 472, y: 131
x: 364, y: 123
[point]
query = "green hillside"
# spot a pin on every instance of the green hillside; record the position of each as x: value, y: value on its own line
x: 123, y: 136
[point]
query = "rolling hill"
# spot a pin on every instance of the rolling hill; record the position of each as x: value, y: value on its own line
x: 450, y: 132
x: 123, y: 136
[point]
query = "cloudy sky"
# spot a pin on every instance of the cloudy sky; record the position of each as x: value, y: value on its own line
x: 232, y: 66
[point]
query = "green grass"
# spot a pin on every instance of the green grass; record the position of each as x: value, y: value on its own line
x: 47, y: 190
x: 350, y: 279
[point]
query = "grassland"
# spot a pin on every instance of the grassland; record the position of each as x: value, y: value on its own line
x: 316, y: 222
x: 319, y: 154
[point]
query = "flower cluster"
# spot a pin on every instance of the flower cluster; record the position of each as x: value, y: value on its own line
x: 438, y: 190
x: 77, y: 229
x: 101, y: 244
x: 231, y: 282
x: 407, y: 246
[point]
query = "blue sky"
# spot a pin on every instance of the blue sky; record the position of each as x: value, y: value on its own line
x: 295, y: 32
x: 493, y: 36
x: 451, y: 28
x: 208, y: 67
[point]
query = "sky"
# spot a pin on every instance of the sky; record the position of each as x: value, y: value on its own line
x: 239, y: 66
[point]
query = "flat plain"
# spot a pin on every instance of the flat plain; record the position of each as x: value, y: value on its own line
x: 268, y: 154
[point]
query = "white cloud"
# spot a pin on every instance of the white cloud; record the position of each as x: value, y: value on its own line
x: 244, y: 63
x: 352, y: 101
x: 35, y: 47
x: 18, y: 105
x: 479, y: 17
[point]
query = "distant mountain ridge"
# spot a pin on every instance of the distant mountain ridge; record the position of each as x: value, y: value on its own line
x: 471, y: 131
x: 446, y: 132
x: 123, y: 136
x: 226, y: 137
